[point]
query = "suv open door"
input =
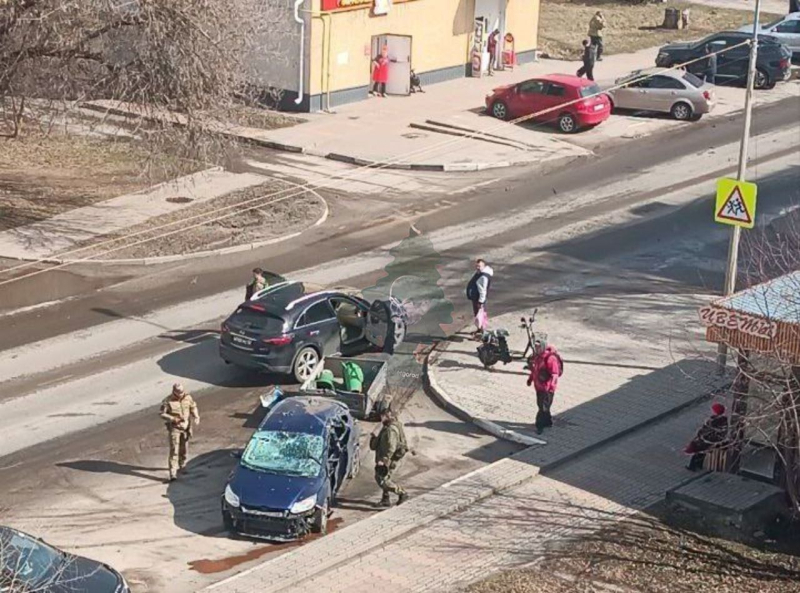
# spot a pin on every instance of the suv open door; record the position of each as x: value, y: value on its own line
x: 381, y: 330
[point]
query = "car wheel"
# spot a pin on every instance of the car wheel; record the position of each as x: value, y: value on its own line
x: 567, y: 123
x: 321, y: 519
x: 399, y: 332
x: 356, y: 467
x: 304, y: 364
x: 681, y: 111
x: 500, y: 110
x: 762, y: 80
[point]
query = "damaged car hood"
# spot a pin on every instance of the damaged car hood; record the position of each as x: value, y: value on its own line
x: 257, y: 489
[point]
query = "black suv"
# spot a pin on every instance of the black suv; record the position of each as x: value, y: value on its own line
x: 772, y: 64
x: 289, y: 326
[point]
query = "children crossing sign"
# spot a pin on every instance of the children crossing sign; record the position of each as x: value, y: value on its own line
x: 736, y: 203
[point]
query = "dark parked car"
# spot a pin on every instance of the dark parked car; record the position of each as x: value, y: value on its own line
x: 291, y: 470
x: 289, y: 326
x: 29, y: 564
x: 772, y: 64
x: 570, y: 102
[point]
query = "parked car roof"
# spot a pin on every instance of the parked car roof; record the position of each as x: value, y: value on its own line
x: 306, y: 414
x: 567, y: 79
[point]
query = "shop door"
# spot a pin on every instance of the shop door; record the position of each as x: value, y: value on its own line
x: 399, y: 47
x: 493, y: 11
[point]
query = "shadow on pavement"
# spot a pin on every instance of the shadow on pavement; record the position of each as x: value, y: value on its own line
x: 100, y: 466
x: 200, y: 361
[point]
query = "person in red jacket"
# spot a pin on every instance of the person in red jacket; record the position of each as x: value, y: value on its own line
x: 546, y: 367
x: 380, y: 72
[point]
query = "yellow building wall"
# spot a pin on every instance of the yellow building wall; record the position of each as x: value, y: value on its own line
x: 441, y: 32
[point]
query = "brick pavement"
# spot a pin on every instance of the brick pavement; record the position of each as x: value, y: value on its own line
x: 510, y: 528
x: 624, y: 366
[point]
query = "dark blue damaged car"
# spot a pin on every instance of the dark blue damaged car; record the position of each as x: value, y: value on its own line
x: 29, y: 564
x: 291, y: 470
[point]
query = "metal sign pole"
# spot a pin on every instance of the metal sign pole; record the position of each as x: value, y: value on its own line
x: 733, y: 247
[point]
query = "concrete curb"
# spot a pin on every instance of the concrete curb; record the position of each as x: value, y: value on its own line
x: 165, y: 259
x: 448, y: 404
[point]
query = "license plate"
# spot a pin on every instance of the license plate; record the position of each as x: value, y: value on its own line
x: 241, y: 340
x: 598, y: 107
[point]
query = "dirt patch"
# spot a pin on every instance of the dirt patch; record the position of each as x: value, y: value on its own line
x: 644, y: 554
x: 259, y: 213
x: 264, y: 119
x: 564, y: 23
x: 42, y: 175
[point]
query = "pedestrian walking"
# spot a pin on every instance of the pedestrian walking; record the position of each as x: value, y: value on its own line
x: 589, y: 58
x: 478, y: 293
x: 180, y: 415
x: 257, y: 283
x: 546, y: 368
x: 380, y: 72
x: 710, y: 65
x: 712, y: 434
x: 491, y: 46
x: 596, y: 26
x: 390, y: 446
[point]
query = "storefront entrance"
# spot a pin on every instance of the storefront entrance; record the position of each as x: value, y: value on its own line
x: 493, y: 15
x: 399, y: 47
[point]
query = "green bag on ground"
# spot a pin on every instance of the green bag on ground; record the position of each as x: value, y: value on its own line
x: 326, y: 380
x: 353, y: 377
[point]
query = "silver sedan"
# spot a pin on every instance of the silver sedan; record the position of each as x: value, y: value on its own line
x: 679, y: 93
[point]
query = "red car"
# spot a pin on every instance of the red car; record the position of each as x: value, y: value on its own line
x: 584, y: 104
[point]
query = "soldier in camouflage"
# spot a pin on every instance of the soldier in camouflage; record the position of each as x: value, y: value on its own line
x: 180, y: 415
x: 390, y: 447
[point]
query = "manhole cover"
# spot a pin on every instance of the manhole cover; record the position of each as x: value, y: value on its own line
x: 179, y: 200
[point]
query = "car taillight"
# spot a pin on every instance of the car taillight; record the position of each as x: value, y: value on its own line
x: 583, y: 105
x: 784, y: 63
x: 279, y: 341
x: 707, y: 95
x: 223, y: 328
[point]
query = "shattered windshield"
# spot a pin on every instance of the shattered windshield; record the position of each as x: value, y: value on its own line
x: 286, y: 453
x: 28, y: 561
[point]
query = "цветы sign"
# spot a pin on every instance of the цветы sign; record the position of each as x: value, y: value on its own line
x: 748, y: 324
x: 339, y: 4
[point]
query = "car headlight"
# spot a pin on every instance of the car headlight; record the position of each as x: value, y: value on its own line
x: 303, y: 506
x: 230, y: 497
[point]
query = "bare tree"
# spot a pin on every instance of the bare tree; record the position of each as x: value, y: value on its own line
x: 767, y: 389
x: 189, y: 57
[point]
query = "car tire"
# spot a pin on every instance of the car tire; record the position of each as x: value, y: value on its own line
x: 567, y: 123
x: 356, y: 467
x: 227, y: 521
x: 304, y: 364
x: 321, y: 519
x: 762, y: 80
x: 500, y: 110
x: 681, y: 111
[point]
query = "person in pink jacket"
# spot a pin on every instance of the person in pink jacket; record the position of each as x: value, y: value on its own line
x: 546, y: 367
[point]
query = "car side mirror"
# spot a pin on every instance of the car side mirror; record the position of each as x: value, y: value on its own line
x: 237, y: 454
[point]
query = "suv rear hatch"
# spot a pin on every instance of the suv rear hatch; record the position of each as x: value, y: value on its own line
x: 249, y: 327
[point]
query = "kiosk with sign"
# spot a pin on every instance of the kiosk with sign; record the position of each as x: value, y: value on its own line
x: 509, y: 53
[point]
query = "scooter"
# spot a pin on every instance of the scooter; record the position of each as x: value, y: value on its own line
x: 494, y: 343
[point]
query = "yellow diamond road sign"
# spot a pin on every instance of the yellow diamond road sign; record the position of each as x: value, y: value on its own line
x: 736, y: 203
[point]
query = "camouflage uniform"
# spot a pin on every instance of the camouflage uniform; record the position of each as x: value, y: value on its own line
x: 179, y: 405
x: 390, y: 446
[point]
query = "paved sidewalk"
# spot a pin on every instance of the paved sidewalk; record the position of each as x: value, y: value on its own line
x: 507, y: 513
x: 627, y: 359
x: 44, y: 239
x: 445, y: 129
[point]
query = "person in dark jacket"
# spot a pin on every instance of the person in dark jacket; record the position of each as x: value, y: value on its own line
x: 478, y: 290
x: 589, y: 59
x: 712, y: 434
x: 710, y: 66
x: 545, y: 368
x: 257, y: 283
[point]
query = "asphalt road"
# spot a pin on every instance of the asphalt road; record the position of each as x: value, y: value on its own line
x: 82, y: 457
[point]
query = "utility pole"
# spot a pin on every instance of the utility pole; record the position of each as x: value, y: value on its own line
x: 733, y: 247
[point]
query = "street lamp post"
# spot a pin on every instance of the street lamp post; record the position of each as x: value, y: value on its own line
x: 733, y: 247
